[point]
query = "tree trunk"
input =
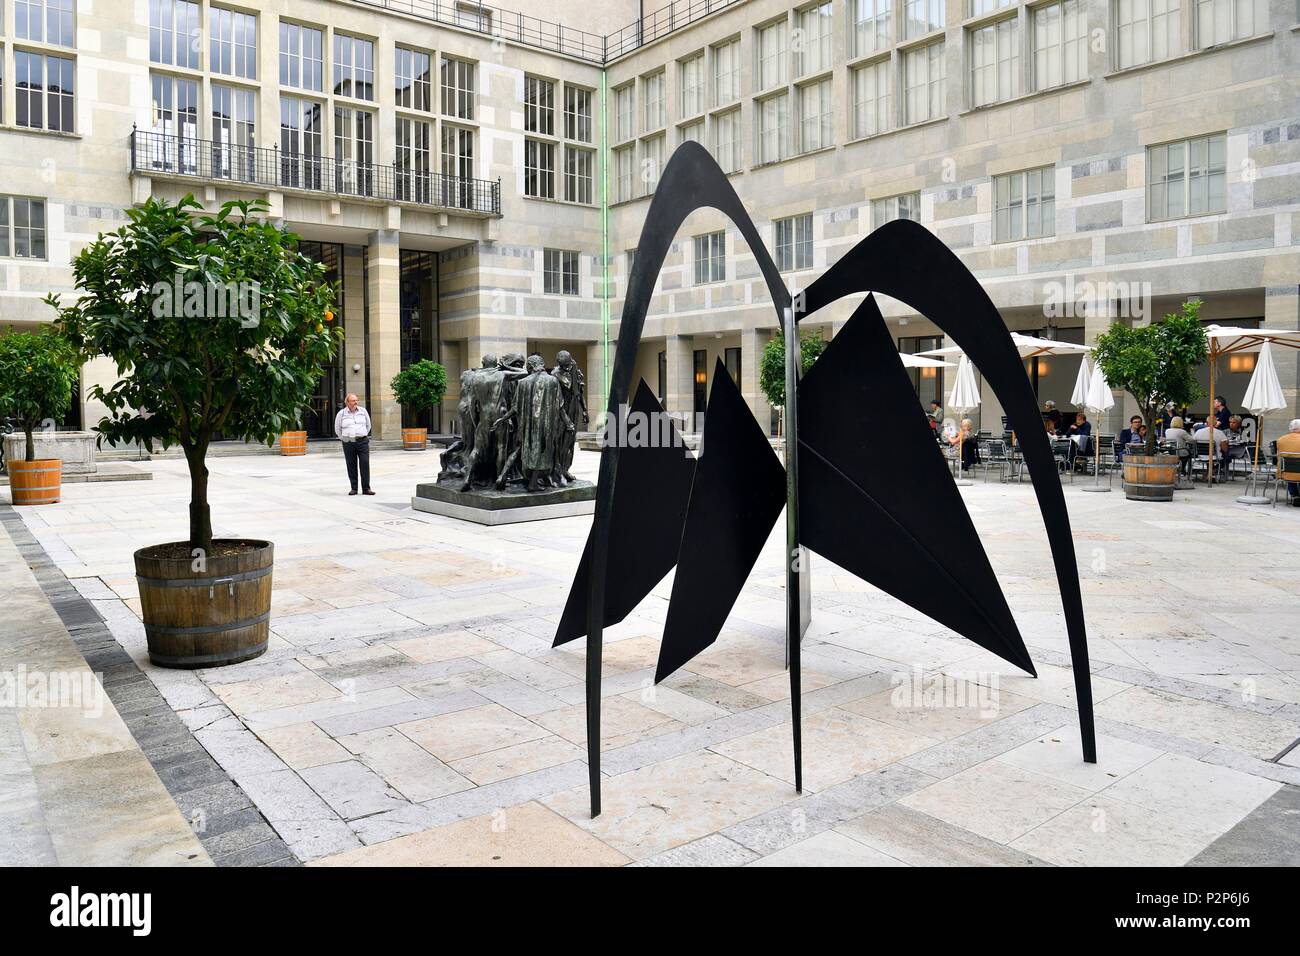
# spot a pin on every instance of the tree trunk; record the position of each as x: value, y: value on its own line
x: 200, y: 513
x: 1151, y: 429
x: 31, y: 441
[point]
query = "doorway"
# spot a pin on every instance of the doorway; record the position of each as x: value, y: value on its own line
x: 331, y: 388
x: 418, y: 328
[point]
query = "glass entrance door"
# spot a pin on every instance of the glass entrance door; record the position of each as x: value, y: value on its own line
x: 419, y: 324
x: 318, y: 417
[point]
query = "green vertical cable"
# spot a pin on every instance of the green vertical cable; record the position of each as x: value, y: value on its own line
x: 604, y: 236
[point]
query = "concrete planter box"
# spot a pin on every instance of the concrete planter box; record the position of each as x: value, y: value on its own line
x: 75, y: 449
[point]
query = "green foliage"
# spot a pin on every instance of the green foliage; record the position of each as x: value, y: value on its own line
x: 1155, y: 363
x: 38, y: 372
x: 216, y: 322
x: 420, y: 385
x: 771, y: 370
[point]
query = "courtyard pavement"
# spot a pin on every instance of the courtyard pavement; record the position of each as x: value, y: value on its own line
x: 411, y: 710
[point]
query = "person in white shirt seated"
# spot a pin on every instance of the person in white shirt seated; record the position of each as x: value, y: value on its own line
x: 352, y: 425
x: 1218, y: 440
x: 1183, y: 443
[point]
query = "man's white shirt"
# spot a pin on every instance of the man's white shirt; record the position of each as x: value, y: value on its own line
x: 350, y: 425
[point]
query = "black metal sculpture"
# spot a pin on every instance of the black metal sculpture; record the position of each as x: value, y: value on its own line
x: 711, y: 517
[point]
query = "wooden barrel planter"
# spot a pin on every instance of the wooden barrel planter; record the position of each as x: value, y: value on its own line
x: 35, y: 482
x: 1150, y: 477
x: 415, y: 439
x: 293, y: 444
x: 209, y: 618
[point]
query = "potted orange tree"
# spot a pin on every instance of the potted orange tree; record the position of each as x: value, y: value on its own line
x: 38, y: 371
x: 417, y: 388
x: 217, y: 325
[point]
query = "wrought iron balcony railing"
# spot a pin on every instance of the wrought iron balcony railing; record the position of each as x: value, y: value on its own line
x: 154, y: 153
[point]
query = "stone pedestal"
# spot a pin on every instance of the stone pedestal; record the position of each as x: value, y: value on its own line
x: 491, y: 507
x: 75, y: 449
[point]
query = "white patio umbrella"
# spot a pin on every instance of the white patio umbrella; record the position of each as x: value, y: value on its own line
x: 1028, y: 346
x: 1099, y: 398
x: 920, y: 361
x: 1263, y: 394
x: 1079, y: 397
x: 965, y: 396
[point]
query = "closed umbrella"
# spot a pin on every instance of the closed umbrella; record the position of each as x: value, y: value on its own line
x: 1263, y: 394
x: 965, y: 396
x: 1079, y: 397
x: 1099, y: 398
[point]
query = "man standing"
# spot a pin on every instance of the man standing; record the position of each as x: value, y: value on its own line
x: 1051, y: 414
x: 352, y: 425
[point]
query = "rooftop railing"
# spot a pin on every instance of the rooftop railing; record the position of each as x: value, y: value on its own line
x: 158, y: 153
x: 530, y: 31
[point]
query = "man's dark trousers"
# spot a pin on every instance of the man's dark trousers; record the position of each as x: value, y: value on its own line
x: 358, y: 453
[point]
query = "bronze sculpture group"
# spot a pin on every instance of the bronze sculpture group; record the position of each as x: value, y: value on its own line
x: 519, y: 423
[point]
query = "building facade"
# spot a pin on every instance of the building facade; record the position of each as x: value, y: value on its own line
x: 476, y: 178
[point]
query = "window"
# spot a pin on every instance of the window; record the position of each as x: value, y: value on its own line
x: 234, y: 127
x: 411, y: 161
x: 1222, y: 21
x: 1024, y: 205
x: 731, y: 361
x: 539, y: 106
x: 815, y: 119
x: 44, y: 89
x: 22, y: 227
x: 995, y: 62
x: 906, y: 206
x: 175, y: 123
x: 1149, y: 30
x: 1187, y: 178
x: 711, y: 258
x: 301, y: 52
x: 692, y: 85
x: 302, y: 128
x: 652, y: 162
x: 624, y: 175
x: 354, y: 67
x: 1060, y: 44
x: 774, y: 128
x: 691, y: 132
x: 813, y: 43
x: 560, y: 272
x: 174, y: 36
x: 457, y: 166
x: 923, y: 79
x: 794, y: 244
x: 726, y: 73
x: 871, y: 26
x: 772, y: 47
x: 624, y: 112
x: 726, y: 140
x: 412, y: 84
x: 539, y: 169
x: 354, y: 150
x: 921, y: 17
x: 980, y: 7
x: 457, y: 88
x: 48, y: 21
x: 578, y: 166
x: 653, y: 100
x: 577, y: 114
x: 872, y: 104
x: 232, y: 38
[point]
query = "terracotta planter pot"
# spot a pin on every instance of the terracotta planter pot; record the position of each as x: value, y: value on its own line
x: 35, y: 482
x: 1150, y: 477
x: 209, y: 618
x: 415, y: 439
x: 293, y: 444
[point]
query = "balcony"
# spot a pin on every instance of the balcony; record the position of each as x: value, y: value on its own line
x: 164, y: 154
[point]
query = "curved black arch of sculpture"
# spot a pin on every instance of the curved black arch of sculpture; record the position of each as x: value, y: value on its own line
x: 905, y: 261
x: 691, y: 180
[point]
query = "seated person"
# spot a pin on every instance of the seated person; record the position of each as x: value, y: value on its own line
x: 1217, y: 439
x: 1289, y: 444
x: 1128, y: 436
x: 1183, y: 443
x: 966, y: 438
x: 936, y: 415
x: 1238, y: 446
x: 1083, y: 429
x: 1051, y: 427
x: 1051, y: 414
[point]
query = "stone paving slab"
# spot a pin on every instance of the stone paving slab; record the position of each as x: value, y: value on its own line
x: 411, y: 709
